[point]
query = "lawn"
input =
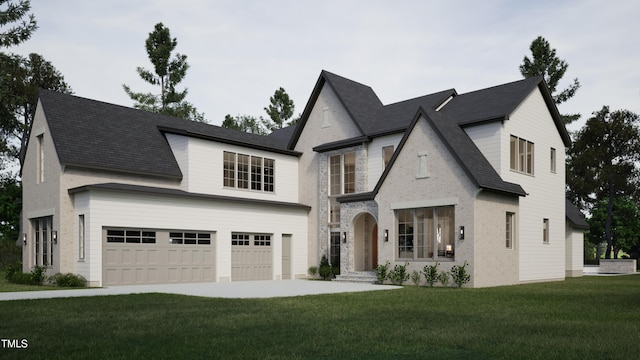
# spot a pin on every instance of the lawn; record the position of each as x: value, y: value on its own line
x: 589, y: 317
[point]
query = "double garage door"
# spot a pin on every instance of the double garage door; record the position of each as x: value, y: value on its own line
x: 138, y: 256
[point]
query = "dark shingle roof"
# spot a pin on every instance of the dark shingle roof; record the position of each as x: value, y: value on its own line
x: 95, y: 134
x: 575, y: 217
x: 497, y: 103
x: 463, y: 149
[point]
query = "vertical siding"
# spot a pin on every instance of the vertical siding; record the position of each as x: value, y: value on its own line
x: 546, y: 191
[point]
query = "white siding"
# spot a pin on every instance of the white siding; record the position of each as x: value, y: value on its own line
x: 545, y: 191
x: 201, y: 163
x: 375, y: 159
x: 487, y: 139
x: 114, y: 209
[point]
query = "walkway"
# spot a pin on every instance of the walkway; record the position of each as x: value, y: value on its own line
x: 238, y: 289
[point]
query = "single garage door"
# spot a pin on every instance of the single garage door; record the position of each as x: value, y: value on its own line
x: 138, y: 256
x: 251, y: 257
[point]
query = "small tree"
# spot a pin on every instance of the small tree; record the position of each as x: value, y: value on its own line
x: 325, y: 269
x: 280, y: 110
x: 167, y: 73
x: 545, y: 62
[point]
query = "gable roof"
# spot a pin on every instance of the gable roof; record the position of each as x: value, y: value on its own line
x: 497, y: 103
x: 575, y: 217
x: 369, y: 115
x: 463, y: 149
x: 99, y: 135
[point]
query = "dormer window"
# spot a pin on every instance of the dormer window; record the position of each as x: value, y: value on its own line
x: 243, y: 171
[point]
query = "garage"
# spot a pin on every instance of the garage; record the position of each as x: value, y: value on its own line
x: 251, y: 257
x: 143, y: 256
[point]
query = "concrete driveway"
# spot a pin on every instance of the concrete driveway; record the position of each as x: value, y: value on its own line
x: 239, y: 289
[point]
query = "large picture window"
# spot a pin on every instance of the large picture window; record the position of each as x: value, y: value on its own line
x: 521, y: 155
x: 243, y: 171
x: 426, y: 233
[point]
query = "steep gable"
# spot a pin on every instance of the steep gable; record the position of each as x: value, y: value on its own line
x: 462, y: 148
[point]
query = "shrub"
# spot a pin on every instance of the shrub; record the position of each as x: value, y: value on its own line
x: 69, y: 280
x: 431, y: 273
x: 335, y: 270
x: 38, y: 275
x: 415, y: 277
x: 382, y: 272
x: 443, y: 277
x: 325, y: 269
x: 399, y: 274
x: 313, y: 271
x: 460, y: 275
x: 19, y: 277
x: 11, y: 270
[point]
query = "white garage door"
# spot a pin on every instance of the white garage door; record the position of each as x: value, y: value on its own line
x: 138, y: 256
x: 251, y: 257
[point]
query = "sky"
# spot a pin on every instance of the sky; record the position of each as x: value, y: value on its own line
x: 240, y: 52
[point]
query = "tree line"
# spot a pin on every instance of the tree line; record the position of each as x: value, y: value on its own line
x: 602, y: 163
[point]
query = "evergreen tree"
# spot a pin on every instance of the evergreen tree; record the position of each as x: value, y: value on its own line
x: 280, y: 110
x: 545, y: 62
x: 167, y: 73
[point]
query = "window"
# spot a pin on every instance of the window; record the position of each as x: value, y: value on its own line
x: 553, y: 160
x: 427, y: 233
x: 244, y: 171
x: 350, y: 173
x: 342, y: 174
x: 40, y: 160
x: 42, y: 244
x: 521, y: 155
x: 131, y: 236
x: 387, y: 153
x: 334, y: 211
x: 334, y: 256
x: 510, y: 230
x: 190, y: 238
x: 545, y: 231
x: 81, y: 237
x: 242, y: 239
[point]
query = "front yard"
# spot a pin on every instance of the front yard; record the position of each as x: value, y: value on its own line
x: 589, y: 317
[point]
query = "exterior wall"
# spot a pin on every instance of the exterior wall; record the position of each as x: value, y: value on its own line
x: 574, y: 251
x: 375, y: 158
x: 147, y: 211
x: 488, y: 138
x: 495, y: 264
x: 327, y: 122
x: 41, y: 198
x: 546, y: 190
x: 447, y: 184
x: 201, y: 163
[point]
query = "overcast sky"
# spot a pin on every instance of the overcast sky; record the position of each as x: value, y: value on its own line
x: 240, y: 52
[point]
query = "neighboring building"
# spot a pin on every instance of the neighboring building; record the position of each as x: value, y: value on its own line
x: 123, y: 196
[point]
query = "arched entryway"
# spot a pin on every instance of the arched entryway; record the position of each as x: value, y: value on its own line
x: 365, y: 242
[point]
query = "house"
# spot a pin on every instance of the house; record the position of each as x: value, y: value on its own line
x: 122, y: 196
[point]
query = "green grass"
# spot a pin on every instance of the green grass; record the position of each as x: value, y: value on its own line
x: 589, y: 317
x: 6, y: 286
